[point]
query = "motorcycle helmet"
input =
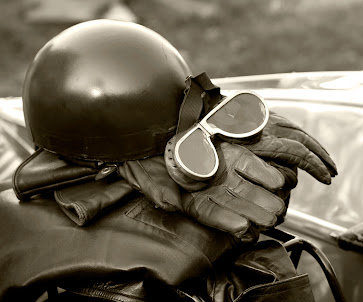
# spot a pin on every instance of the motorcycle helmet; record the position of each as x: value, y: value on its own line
x: 104, y: 91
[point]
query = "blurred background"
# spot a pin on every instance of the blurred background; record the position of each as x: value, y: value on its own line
x: 224, y: 38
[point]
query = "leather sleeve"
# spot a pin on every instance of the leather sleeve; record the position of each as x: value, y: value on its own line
x: 44, y: 171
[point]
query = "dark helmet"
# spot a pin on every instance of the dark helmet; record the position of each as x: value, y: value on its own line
x: 104, y: 90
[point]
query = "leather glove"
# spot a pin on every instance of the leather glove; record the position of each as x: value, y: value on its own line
x: 236, y: 198
x: 83, y: 202
x: 287, y: 144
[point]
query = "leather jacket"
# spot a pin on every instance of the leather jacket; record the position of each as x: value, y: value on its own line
x: 135, y: 252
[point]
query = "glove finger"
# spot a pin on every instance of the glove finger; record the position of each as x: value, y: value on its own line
x: 153, y: 180
x: 208, y: 212
x: 261, y: 211
x: 252, y: 167
x: 291, y: 153
x: 259, y: 197
x: 251, y: 236
x: 289, y: 173
x: 291, y: 181
x: 283, y: 128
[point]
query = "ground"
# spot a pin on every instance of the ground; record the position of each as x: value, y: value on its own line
x: 224, y: 38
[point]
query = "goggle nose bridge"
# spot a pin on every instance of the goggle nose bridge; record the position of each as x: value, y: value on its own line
x: 202, y: 125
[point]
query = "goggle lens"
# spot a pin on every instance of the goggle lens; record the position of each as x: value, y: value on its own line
x: 197, y: 153
x: 242, y: 114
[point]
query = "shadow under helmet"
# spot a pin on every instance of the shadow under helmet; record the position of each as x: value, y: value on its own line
x: 106, y: 91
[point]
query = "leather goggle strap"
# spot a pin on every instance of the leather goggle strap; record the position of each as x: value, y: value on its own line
x: 201, y: 95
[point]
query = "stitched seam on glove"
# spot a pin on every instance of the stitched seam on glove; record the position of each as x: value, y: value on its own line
x: 304, y: 163
x: 297, y: 128
x: 231, y: 210
x: 265, y: 153
x: 256, y: 181
x: 328, y: 161
x: 240, y: 196
x: 301, y: 130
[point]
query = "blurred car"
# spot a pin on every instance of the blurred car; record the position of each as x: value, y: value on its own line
x: 328, y: 105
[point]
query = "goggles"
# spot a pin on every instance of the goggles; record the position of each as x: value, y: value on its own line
x: 239, y: 116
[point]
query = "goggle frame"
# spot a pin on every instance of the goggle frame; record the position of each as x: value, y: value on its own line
x: 209, y: 131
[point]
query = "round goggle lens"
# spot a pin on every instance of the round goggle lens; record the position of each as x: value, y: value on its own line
x: 242, y: 114
x: 197, y: 153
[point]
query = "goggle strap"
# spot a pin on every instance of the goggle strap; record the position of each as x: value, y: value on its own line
x: 200, y: 93
x: 212, y: 93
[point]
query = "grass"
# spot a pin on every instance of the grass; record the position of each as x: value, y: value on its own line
x: 224, y: 38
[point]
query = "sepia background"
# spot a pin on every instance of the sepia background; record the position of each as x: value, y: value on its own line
x: 224, y: 38
x: 232, y: 38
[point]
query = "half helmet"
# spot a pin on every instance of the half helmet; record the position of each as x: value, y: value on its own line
x: 104, y: 91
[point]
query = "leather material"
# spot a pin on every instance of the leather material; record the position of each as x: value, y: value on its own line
x: 44, y: 247
x: 287, y: 144
x: 118, y: 84
x: 292, y: 290
x: 290, y: 175
x: 129, y: 290
x: 74, y: 187
x: 262, y: 273
x: 229, y: 203
x: 232, y: 199
x: 83, y: 202
x: 44, y: 171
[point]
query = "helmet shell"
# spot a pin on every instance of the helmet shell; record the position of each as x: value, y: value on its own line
x: 104, y: 90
